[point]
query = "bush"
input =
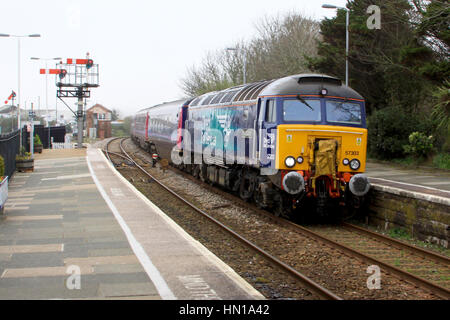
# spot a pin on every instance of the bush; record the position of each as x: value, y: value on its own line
x: 389, y: 130
x: 37, y: 140
x: 420, y: 145
x: 23, y: 154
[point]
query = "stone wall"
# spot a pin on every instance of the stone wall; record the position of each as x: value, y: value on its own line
x: 425, y: 218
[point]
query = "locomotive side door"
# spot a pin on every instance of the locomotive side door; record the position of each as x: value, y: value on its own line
x: 267, y: 126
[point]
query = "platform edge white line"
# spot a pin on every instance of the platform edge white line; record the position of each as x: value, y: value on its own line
x: 226, y: 269
x: 156, y: 277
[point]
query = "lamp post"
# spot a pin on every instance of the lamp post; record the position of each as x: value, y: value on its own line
x: 18, y: 76
x: 46, y: 89
x: 46, y: 75
x: 347, y: 20
x: 245, y: 62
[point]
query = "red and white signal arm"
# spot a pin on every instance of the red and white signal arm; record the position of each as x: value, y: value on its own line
x: 78, y: 61
x: 50, y: 71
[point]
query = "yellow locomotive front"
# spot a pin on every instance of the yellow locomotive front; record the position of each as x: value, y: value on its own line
x: 321, y: 144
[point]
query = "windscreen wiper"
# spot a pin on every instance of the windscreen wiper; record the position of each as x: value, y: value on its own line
x: 299, y: 97
x: 342, y: 102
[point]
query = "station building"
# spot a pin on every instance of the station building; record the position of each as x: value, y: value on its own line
x: 98, y: 122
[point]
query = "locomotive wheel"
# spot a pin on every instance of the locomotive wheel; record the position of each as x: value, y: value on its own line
x: 282, y: 207
x: 248, y: 185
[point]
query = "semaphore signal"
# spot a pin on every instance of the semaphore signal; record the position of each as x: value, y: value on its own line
x: 11, y: 96
x: 50, y: 71
x: 88, y: 62
x: 76, y: 78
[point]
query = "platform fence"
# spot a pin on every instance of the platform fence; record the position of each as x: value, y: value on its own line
x: 63, y: 145
x: 9, y: 148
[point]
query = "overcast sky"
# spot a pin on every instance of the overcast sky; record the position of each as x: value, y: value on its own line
x: 143, y: 48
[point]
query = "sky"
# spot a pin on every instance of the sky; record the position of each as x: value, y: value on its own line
x: 143, y: 47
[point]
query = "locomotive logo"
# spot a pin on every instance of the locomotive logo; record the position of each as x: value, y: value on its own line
x: 289, y: 138
x: 358, y: 141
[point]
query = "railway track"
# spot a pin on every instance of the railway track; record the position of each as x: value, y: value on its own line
x: 422, y: 267
x: 307, y: 282
x: 343, y: 244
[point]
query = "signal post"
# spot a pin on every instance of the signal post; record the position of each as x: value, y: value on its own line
x: 75, y: 79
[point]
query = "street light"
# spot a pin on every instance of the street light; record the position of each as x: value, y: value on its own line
x: 34, y: 35
x: 46, y: 91
x: 347, y: 20
x: 46, y: 75
x: 245, y: 62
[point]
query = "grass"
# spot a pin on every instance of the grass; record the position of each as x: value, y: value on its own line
x: 408, y: 161
x: 438, y: 161
x: 402, y: 234
x: 442, y: 161
x: 399, y: 233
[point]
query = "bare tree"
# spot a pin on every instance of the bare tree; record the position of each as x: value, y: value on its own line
x: 280, y: 48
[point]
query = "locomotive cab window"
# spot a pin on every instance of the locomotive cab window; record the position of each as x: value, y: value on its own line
x: 343, y: 112
x: 271, y: 112
x: 301, y: 110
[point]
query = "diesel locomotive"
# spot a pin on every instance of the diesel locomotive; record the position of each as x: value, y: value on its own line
x: 289, y: 144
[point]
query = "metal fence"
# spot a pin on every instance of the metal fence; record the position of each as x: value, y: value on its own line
x: 47, y: 135
x: 62, y: 145
x: 9, y: 148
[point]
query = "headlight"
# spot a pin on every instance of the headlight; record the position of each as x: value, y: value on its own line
x: 345, y: 162
x: 300, y: 160
x: 355, y: 164
x: 289, y: 162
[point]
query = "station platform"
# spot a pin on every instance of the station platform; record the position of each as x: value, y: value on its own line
x: 76, y: 229
x: 430, y: 185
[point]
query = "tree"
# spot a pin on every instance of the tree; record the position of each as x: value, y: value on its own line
x: 396, y: 68
x: 384, y: 64
x: 115, y: 114
x: 280, y: 48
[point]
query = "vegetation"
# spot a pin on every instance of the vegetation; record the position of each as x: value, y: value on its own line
x: 2, y: 167
x: 23, y: 154
x: 37, y: 140
x: 442, y: 161
x: 419, y: 145
x: 123, y: 129
x: 402, y: 69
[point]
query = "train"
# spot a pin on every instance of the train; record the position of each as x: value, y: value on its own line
x: 288, y: 144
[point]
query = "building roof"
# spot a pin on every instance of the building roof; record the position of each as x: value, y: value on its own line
x: 98, y: 106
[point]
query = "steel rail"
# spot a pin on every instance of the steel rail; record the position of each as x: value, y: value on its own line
x: 423, y: 283
x: 399, y: 244
x: 307, y: 282
x: 107, y: 152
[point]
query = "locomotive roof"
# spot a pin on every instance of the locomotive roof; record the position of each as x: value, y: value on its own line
x: 305, y: 84
x: 310, y: 84
x: 180, y: 103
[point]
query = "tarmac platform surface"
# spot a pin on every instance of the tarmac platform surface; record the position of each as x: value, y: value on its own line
x: 76, y: 229
x: 431, y: 185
